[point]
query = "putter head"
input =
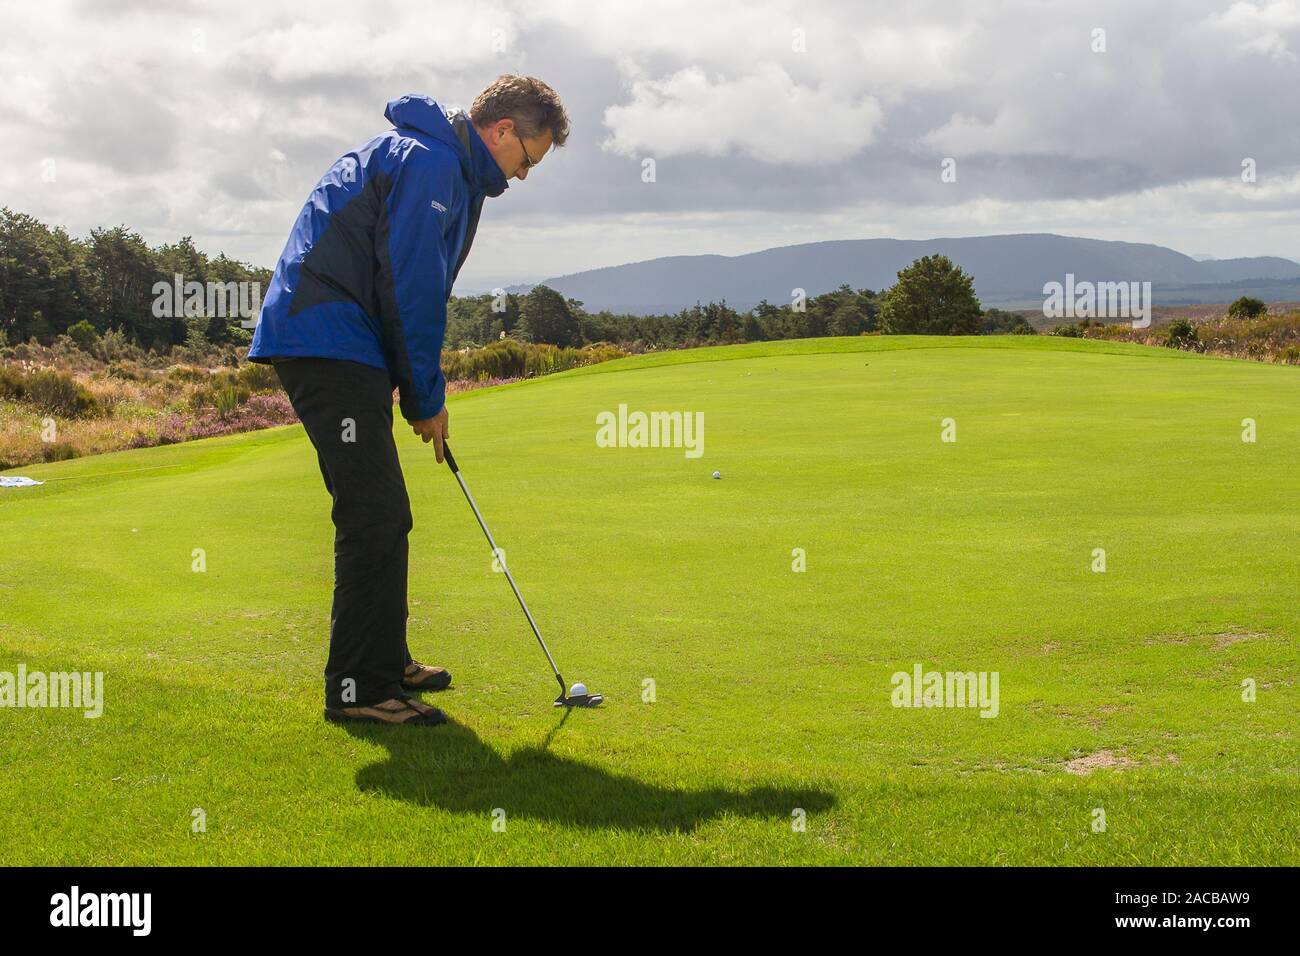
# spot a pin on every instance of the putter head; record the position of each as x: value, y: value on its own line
x: 580, y: 700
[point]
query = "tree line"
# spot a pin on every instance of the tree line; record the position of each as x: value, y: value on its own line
x: 931, y: 297
x: 52, y: 284
x: 544, y: 315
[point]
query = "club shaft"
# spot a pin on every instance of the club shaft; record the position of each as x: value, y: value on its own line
x: 500, y: 557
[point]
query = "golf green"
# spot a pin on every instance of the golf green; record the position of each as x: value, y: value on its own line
x: 1144, y: 714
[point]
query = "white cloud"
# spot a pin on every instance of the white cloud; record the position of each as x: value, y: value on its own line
x: 450, y: 35
x: 221, y: 133
x: 764, y: 114
x: 1218, y: 216
x: 1260, y: 27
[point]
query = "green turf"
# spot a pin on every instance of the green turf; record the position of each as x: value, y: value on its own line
x: 772, y: 687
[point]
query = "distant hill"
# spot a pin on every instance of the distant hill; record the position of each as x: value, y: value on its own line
x: 1009, y: 272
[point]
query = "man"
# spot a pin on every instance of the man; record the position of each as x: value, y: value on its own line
x: 358, y: 307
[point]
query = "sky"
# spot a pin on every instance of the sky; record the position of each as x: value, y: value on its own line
x: 767, y: 123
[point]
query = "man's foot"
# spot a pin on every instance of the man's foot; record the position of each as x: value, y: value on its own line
x: 397, y: 710
x: 424, y: 677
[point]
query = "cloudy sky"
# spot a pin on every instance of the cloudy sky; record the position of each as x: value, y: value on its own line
x: 769, y: 122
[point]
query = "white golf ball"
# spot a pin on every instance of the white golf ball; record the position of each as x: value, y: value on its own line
x: 717, y: 474
x: 578, y: 690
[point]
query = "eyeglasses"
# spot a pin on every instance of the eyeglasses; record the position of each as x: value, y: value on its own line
x: 528, y: 159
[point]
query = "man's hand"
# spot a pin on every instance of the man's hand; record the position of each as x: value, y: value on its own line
x: 433, y: 430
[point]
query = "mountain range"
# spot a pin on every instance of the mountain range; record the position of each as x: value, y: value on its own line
x: 1009, y: 272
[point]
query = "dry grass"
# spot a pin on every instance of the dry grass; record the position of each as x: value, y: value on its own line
x: 142, y: 398
x: 1275, y: 337
x: 134, y: 399
x: 1101, y: 760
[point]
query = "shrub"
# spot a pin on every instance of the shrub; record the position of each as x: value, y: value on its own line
x: 1182, y: 335
x: 58, y: 451
x: 1247, y: 308
x: 223, y: 391
x: 259, y: 411
x: 545, y: 359
x: 170, y: 432
x: 510, y: 358
x: 58, y: 393
x: 196, y: 339
x: 12, y: 384
x: 502, y: 359
x: 113, y: 345
x: 1001, y: 322
x: 464, y: 386
x: 1290, y: 355
x: 1264, y: 338
x: 64, y: 346
x: 84, y: 334
x: 227, y: 398
x: 601, y: 352
x: 187, y: 373
x: 126, y: 370
x: 258, y: 378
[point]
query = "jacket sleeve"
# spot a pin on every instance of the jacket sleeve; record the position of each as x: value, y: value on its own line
x: 412, y: 253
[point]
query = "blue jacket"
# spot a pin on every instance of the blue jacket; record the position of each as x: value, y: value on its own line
x: 369, y: 266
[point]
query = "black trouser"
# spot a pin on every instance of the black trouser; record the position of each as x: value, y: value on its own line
x: 347, y: 410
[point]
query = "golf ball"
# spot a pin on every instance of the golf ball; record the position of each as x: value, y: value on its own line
x: 717, y: 474
x: 578, y: 690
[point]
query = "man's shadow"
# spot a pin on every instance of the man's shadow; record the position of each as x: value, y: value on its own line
x: 449, y: 767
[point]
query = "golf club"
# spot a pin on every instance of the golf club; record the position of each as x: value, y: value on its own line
x: 577, y: 696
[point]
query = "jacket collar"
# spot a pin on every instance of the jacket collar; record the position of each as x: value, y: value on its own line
x: 477, y: 164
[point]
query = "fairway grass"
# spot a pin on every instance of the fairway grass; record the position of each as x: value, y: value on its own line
x: 771, y: 737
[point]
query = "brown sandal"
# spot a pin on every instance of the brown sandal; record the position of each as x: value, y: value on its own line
x: 396, y: 710
x: 425, y: 677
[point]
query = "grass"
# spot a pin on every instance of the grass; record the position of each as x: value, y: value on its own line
x: 772, y: 688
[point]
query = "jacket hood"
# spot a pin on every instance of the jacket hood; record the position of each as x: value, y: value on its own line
x: 422, y: 114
